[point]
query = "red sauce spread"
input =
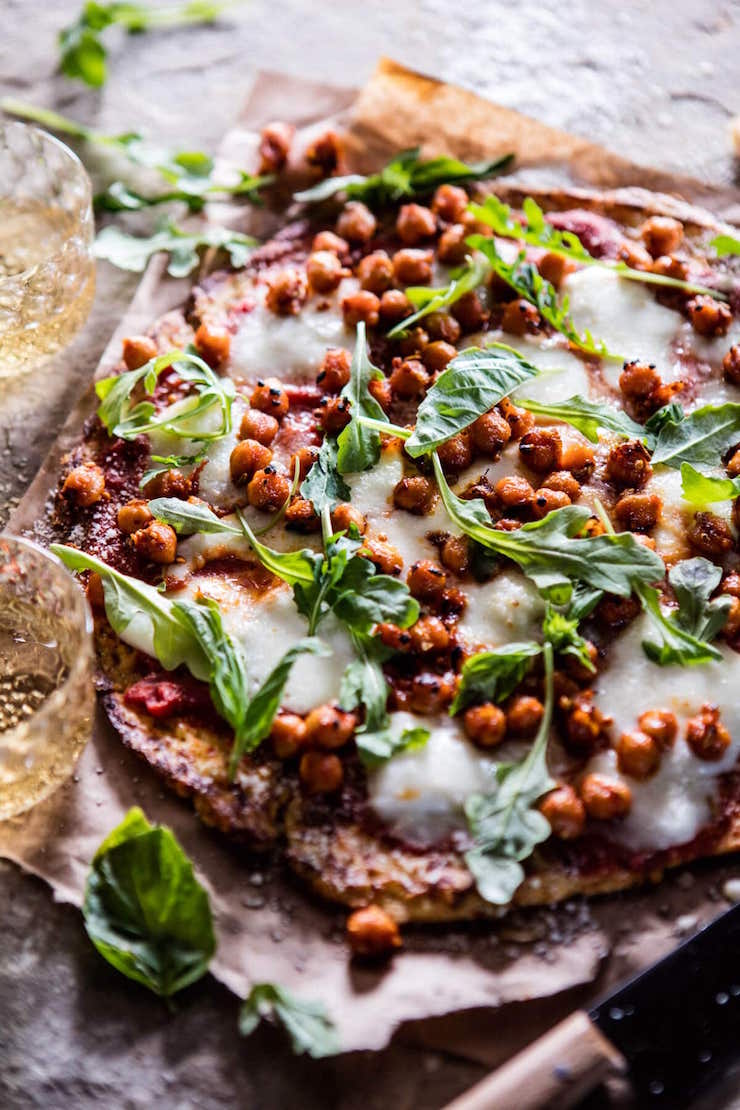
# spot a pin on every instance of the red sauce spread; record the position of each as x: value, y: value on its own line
x: 168, y: 697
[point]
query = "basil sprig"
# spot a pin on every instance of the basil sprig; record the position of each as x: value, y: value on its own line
x: 706, y: 489
x: 725, y: 244
x: 699, y: 437
x: 464, y: 280
x: 538, y: 232
x: 144, y: 909
x: 132, y: 252
x: 306, y: 1022
x: 684, y: 633
x: 406, y: 175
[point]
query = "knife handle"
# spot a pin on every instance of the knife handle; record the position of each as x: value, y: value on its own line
x: 556, y: 1071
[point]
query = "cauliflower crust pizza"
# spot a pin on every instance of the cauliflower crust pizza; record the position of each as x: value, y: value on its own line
x: 412, y: 544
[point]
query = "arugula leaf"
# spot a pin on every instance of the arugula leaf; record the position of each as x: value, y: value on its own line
x: 182, y: 419
x: 378, y: 738
x: 188, y: 517
x: 472, y: 383
x: 358, y: 447
x: 505, y: 825
x: 674, y: 644
x: 293, y: 567
x: 265, y: 702
x: 120, y: 197
x: 693, y: 582
x: 561, y: 630
x: 701, y: 436
x: 406, y: 175
x: 706, y: 489
x: 131, y: 252
x: 526, y: 280
x: 227, y: 678
x: 672, y: 413
x: 161, y: 464
x: 493, y: 675
x: 538, y: 232
x: 587, y: 416
x: 550, y: 552
x: 324, y: 486
x: 426, y: 300
x: 82, y: 54
x: 725, y: 244
x: 307, y: 1023
x: 144, y: 909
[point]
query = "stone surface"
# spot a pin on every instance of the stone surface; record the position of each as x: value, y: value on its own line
x: 656, y: 82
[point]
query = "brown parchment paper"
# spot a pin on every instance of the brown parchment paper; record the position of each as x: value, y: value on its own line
x: 483, y: 990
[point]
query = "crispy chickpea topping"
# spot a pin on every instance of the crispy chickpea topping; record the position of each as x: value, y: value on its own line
x: 605, y: 798
x: 709, y: 535
x: 429, y: 636
x: 523, y: 715
x: 414, y: 342
x: 731, y: 365
x: 554, y: 268
x: 324, y: 271
x: 490, y: 433
x: 628, y: 464
x: 456, y: 453
x: 356, y: 222
x: 563, y: 482
x: 247, y: 457
x: 395, y: 638
x: 138, y: 350
x: 585, y: 724
x: 412, y: 266
x: 564, y: 812
x: 134, y: 515
x: 94, y: 592
x: 330, y: 727
x: 638, y: 755
x: 485, y: 724
x: 85, y: 484
x: 258, y: 425
x: 437, y: 355
x: 372, y: 932
x: 213, y: 344
x: 470, y: 313
x: 415, y: 494
x: 638, y: 512
x: 288, y: 734
x: 270, y: 397
x: 576, y: 453
x: 616, y: 612
x: 385, y: 556
x: 430, y: 693
x: 638, y: 381
x: 394, y: 306
x: 300, y: 516
x: 415, y: 223
x: 661, y: 235
x: 409, y: 378
x: 451, y: 247
x: 275, y: 140
x: 321, y: 772
x: 733, y: 466
x: 287, y: 292
x: 732, y: 624
x: 375, y: 272
x: 514, y: 492
x: 708, y: 316
x: 455, y: 554
x: 520, y: 317
x: 344, y: 515
x: 661, y: 725
x: 169, y: 483
x: 380, y: 389
x: 156, y: 542
x: 520, y: 421
x: 668, y: 265
x: 362, y: 306
x: 449, y: 203
x: 325, y: 153
x: 547, y: 500
x: 268, y: 490
x: 304, y: 458
x: 334, y: 414
x: 635, y: 255
x: 328, y: 241
x: 706, y: 735
x: 442, y: 325
x: 426, y: 580
x: 541, y: 449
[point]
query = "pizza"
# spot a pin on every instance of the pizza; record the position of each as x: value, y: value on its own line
x: 412, y: 544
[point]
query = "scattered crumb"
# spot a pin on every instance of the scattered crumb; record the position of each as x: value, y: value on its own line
x: 731, y: 890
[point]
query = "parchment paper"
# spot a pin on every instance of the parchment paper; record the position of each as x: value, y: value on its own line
x: 483, y: 990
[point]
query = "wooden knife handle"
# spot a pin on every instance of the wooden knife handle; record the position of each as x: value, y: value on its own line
x: 556, y: 1071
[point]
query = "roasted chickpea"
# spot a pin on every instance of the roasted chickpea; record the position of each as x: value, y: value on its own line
x: 449, y: 202
x: 415, y: 494
x: 661, y: 725
x: 576, y: 453
x: 578, y: 669
x: 156, y: 542
x: 334, y: 371
x: 514, y: 492
x: 94, y: 592
x: 520, y: 317
x: 328, y: 241
x: 456, y: 453
x: 661, y: 235
x: 732, y: 624
x: 541, y: 449
x: 413, y: 342
x: 669, y: 266
x: 303, y: 458
x: 638, y: 512
x: 412, y: 266
x: 372, y: 932
x: 731, y: 365
x: 288, y: 734
x: 616, y: 612
x: 409, y: 378
x: 485, y: 725
x: 385, y: 556
x: 375, y: 272
x: 268, y: 490
x: 430, y: 693
x: 470, y: 313
x: 709, y: 317
x: 437, y: 355
x: 275, y: 140
x: 324, y: 271
x: 359, y: 307
x: 395, y: 638
x: 247, y: 457
x: 451, y: 247
x: 415, y: 223
x: 325, y: 153
x: 429, y: 636
x: 593, y: 527
x: 520, y: 421
x: 628, y: 464
x: 287, y: 292
x: 638, y: 755
x: 442, y: 326
x: 706, y: 735
x: 554, y: 268
x: 585, y: 724
x: 635, y: 255
x: 733, y: 466
x: 547, y: 500
x: 213, y: 344
x: 133, y: 516
x: 345, y: 515
x: 731, y: 584
x: 563, y: 482
x: 523, y: 715
x: 489, y: 434
x: 258, y: 425
x: 321, y: 772
x: 85, y: 484
x: 709, y: 535
x: 334, y: 414
x: 605, y: 798
x: 455, y: 554
x: 356, y: 222
x: 330, y: 727
x: 380, y: 389
x: 565, y: 812
x: 270, y: 397
x: 170, y: 483
x: 394, y: 306
x: 300, y: 516
x: 638, y: 381
x: 426, y: 580
x: 138, y: 350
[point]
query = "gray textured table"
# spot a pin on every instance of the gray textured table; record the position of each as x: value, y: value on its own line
x: 654, y: 81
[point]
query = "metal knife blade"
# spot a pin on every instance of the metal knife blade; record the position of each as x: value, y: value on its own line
x: 678, y: 1023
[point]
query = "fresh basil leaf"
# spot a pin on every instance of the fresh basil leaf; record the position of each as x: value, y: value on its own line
x: 550, y: 552
x: 505, y: 825
x: 379, y: 599
x: 473, y: 382
x: 426, y: 300
x: 144, y: 909
x: 324, y: 486
x: 131, y: 252
x: 307, y: 1023
x: 293, y: 567
x: 705, y: 489
x: 261, y: 710
x: 358, y: 447
x: 493, y: 675
x: 587, y: 417
x: 725, y: 244
x: 700, y: 437
x: 188, y: 518
x: 376, y: 748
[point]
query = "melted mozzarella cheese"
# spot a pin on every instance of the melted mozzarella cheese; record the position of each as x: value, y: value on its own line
x: 671, y: 807
x: 498, y: 612
x: 214, y: 483
x: 564, y: 374
x: 290, y: 347
x: 676, y: 514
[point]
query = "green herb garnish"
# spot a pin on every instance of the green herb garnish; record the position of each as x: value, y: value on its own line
x: 684, y: 633
x: 587, y: 416
x: 464, y: 280
x: 132, y: 252
x: 698, y: 437
x: 705, y: 489
x: 307, y: 1023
